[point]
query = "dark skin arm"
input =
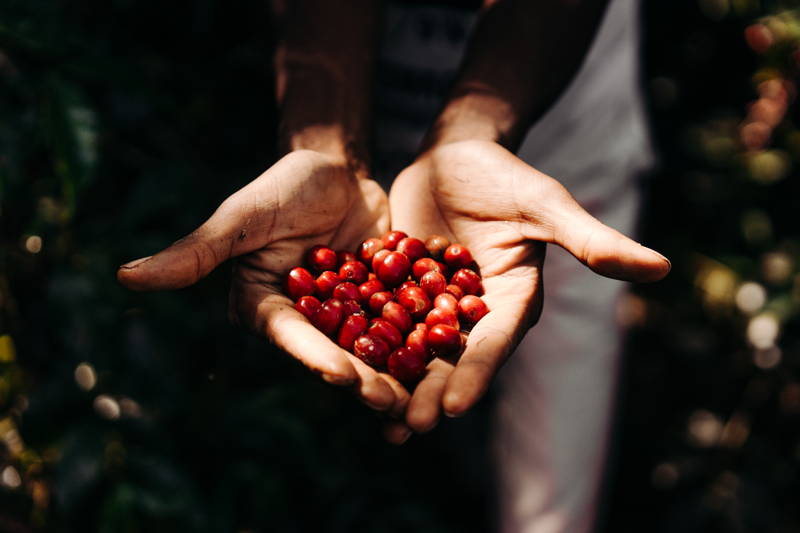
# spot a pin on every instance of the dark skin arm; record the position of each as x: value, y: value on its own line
x: 468, y: 185
x: 318, y: 192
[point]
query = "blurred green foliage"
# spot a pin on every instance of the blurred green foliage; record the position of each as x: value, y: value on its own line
x: 124, y: 123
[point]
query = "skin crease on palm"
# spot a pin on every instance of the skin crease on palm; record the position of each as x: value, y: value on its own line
x: 480, y: 195
x: 306, y: 198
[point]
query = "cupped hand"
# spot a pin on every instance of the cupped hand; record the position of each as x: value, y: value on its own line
x: 306, y: 198
x: 480, y: 195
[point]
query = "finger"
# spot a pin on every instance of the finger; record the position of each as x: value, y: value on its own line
x: 401, y: 396
x: 425, y: 407
x: 396, y: 433
x: 371, y: 387
x: 292, y: 333
x: 603, y: 249
x: 489, y: 344
x: 234, y: 229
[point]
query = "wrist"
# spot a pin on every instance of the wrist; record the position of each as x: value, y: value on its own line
x: 476, y: 113
x: 322, y: 110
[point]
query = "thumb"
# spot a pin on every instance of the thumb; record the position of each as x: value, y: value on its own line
x: 193, y: 257
x: 601, y: 248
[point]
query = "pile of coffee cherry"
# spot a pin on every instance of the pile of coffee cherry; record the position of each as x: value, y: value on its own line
x: 395, y: 303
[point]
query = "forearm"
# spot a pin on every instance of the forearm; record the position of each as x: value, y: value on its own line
x: 521, y: 57
x: 323, y: 68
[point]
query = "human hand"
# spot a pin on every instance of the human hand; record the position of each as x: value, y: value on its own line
x: 480, y: 195
x: 306, y: 198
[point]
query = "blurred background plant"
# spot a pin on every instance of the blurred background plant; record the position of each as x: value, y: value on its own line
x: 124, y: 123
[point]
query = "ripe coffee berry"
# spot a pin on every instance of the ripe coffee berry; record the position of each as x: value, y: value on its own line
x: 436, y: 245
x: 329, y: 316
x: 351, y: 307
x: 406, y: 365
x: 421, y: 266
x: 471, y: 309
x: 468, y: 281
x: 457, y: 256
x: 372, y: 350
x: 352, y: 328
x: 378, y: 300
x: 439, y: 315
x: 455, y: 291
x: 299, y: 283
x: 446, y: 301
x: 368, y: 248
x: 354, y: 271
x: 325, y: 283
x: 321, y: 258
x: 377, y: 259
x: 444, y: 339
x: 398, y: 316
x: 343, y: 256
x: 368, y: 288
x: 391, y: 239
x: 370, y: 304
x: 346, y: 291
x: 385, y: 330
x: 394, y: 269
x: 417, y: 341
x: 308, y: 305
x: 413, y: 248
x: 416, y: 302
x: 433, y: 283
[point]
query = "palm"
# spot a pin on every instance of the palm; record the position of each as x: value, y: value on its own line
x: 306, y: 198
x: 482, y: 196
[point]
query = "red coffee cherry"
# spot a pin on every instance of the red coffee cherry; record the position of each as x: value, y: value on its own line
x: 468, y: 280
x: 433, y: 283
x: 351, y: 307
x: 439, y: 315
x: 436, y: 245
x: 329, y: 316
x: 385, y: 330
x: 394, y: 269
x: 406, y: 366
x: 368, y: 288
x: 457, y: 256
x: 354, y: 271
x: 367, y: 249
x: 346, y: 291
x: 415, y: 301
x: 320, y: 258
x: 444, y: 340
x: 326, y: 282
x: 397, y: 315
x: 446, y: 301
x: 372, y: 350
x: 299, y: 283
x: 425, y: 264
x: 413, y: 248
x: 471, y: 309
x: 454, y: 290
x: 417, y: 341
x: 378, y: 258
x: 343, y: 256
x: 391, y: 239
x: 378, y: 300
x: 352, y: 328
x: 308, y: 305
x: 405, y: 285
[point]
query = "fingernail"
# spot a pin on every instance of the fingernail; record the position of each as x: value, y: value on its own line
x: 136, y: 263
x: 406, y: 434
x: 336, y: 379
x: 453, y: 415
x: 667, y: 261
